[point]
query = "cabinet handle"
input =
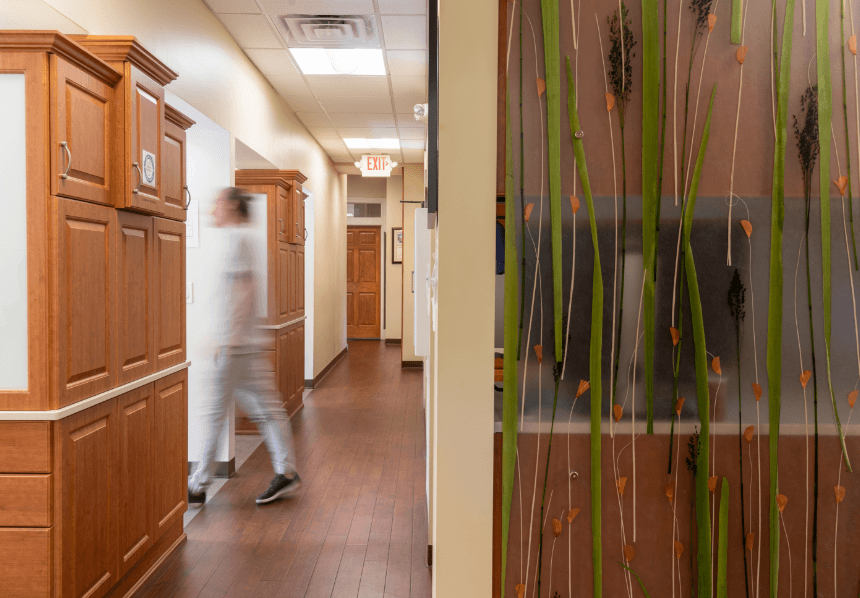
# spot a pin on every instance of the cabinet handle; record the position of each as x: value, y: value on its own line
x: 306, y: 234
x: 298, y: 232
x: 65, y: 146
x: 188, y: 203
x: 139, y: 176
x: 282, y: 224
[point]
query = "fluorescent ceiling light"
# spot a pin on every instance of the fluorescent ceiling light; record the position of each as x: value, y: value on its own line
x: 373, y: 144
x: 329, y: 61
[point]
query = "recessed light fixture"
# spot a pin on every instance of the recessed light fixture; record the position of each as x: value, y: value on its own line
x: 338, y: 61
x: 372, y: 144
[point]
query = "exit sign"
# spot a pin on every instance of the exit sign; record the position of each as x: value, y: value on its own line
x: 375, y: 165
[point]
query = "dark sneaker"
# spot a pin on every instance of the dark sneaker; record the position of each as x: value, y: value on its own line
x: 280, y: 486
x: 196, y: 499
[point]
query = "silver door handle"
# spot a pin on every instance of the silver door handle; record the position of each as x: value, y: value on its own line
x: 139, y: 177
x: 282, y: 224
x: 306, y: 234
x: 65, y: 146
x: 188, y: 203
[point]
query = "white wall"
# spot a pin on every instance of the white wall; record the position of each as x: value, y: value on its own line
x: 309, y: 285
x: 413, y: 191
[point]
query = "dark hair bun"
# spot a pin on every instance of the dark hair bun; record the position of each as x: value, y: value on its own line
x: 242, y: 199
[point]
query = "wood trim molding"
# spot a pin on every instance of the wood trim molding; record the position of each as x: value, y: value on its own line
x: 412, y: 364
x: 280, y: 326
x: 392, y: 341
x: 318, y: 378
x: 126, y: 48
x: 284, y: 178
x: 177, y: 118
x: 66, y: 47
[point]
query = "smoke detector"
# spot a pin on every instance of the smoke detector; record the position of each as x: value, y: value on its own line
x: 327, y: 31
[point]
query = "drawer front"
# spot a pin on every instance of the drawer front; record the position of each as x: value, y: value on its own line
x: 24, y: 562
x: 25, y: 500
x: 25, y: 447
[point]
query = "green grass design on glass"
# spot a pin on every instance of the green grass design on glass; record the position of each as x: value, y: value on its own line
x: 722, y: 555
x: 596, y: 345
x: 650, y: 175
x: 737, y: 15
x: 638, y: 579
x: 509, y: 395
x: 847, y: 134
x: 703, y: 516
x: 552, y: 76
x: 774, y: 311
x: 825, y: 114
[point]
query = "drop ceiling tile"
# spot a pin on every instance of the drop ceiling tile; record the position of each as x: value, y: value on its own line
x: 402, y: 7
x: 413, y: 156
x: 408, y: 91
x: 287, y: 86
x: 367, y: 133
x: 250, y: 31
x: 348, y: 86
x: 404, y: 33
x: 412, y: 144
x: 407, y: 62
x: 333, y: 145
x: 317, y: 7
x: 324, y: 132
x: 412, y: 133
x: 233, y: 6
x: 362, y: 120
x: 356, y: 104
x: 274, y: 62
x: 313, y: 118
x: 407, y: 121
x: 303, y: 102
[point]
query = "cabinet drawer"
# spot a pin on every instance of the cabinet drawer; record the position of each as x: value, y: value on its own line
x: 25, y: 500
x: 24, y: 562
x: 25, y: 447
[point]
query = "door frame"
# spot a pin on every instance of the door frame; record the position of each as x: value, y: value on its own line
x: 381, y: 250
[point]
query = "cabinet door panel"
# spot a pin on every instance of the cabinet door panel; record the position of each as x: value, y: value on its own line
x: 286, y: 257
x: 173, y: 172
x: 284, y: 370
x: 135, y: 296
x: 134, y: 521
x: 84, y: 305
x: 298, y: 216
x: 25, y: 562
x: 285, y: 215
x: 300, y: 282
x: 87, y: 468
x: 298, y: 359
x: 81, y: 112
x: 169, y: 451
x: 170, y: 292
x: 147, y: 118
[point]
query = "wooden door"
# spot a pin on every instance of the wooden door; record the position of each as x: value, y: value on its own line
x: 84, y: 304
x: 300, y: 282
x: 362, y: 282
x: 169, y: 292
x: 135, y: 296
x: 87, y: 494
x: 286, y: 282
x: 135, y: 476
x: 173, y: 184
x: 298, y: 361
x: 81, y: 134
x: 299, y: 215
x: 147, y: 132
x: 169, y: 452
x: 284, y: 370
x: 285, y: 214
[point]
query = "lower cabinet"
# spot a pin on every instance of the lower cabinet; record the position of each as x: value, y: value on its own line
x: 170, y: 451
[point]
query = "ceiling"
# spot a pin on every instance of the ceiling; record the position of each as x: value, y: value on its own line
x: 336, y: 107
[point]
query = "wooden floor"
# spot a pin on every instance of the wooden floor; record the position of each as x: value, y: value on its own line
x: 357, y: 528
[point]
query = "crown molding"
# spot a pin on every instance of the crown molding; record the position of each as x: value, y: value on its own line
x: 126, y: 48
x: 54, y: 42
x: 284, y: 178
x: 177, y: 118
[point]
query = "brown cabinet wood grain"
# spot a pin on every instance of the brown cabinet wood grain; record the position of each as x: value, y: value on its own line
x: 169, y: 451
x: 25, y: 562
x: 173, y: 148
x: 299, y: 289
x: 284, y: 371
x: 135, y: 296
x: 84, y: 299
x: 87, y: 492
x: 169, y: 293
x: 297, y: 359
x: 82, y: 109
x: 25, y: 500
x: 135, y: 476
x: 25, y: 447
x: 285, y: 213
x: 298, y: 215
x: 286, y: 282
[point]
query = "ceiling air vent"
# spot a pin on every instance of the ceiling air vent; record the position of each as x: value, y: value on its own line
x: 326, y: 31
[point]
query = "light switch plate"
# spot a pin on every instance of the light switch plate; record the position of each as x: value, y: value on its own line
x: 189, y: 292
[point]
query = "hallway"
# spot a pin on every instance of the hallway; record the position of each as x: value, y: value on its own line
x: 358, y: 526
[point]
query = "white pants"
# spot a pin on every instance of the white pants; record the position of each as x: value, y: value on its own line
x: 243, y: 377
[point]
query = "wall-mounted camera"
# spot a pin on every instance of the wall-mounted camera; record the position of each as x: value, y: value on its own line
x: 421, y: 112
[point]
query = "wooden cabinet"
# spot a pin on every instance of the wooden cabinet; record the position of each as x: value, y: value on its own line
x: 285, y: 212
x: 284, y: 372
x: 83, y: 278
x: 286, y: 282
x: 25, y: 562
x: 82, y: 108
x: 299, y: 215
x: 87, y: 494
x: 297, y: 359
x: 135, y: 296
x: 169, y: 292
x: 169, y: 496
x: 174, y: 184
x: 139, y: 122
x: 299, y: 290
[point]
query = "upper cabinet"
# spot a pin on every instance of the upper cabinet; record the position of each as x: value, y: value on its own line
x: 174, y: 186
x: 299, y: 229
x: 139, y: 121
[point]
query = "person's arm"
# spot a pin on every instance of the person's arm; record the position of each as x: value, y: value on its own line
x: 242, y: 308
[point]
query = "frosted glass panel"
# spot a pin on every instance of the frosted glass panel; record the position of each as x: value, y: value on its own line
x: 259, y: 215
x: 13, y: 234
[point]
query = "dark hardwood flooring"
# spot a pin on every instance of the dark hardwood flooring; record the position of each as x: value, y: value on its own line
x: 358, y: 526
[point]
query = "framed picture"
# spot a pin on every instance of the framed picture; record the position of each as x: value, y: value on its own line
x: 396, y: 245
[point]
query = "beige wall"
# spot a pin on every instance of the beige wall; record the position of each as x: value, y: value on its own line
x: 216, y: 78
x: 393, y: 272
x: 413, y: 190
x: 462, y: 397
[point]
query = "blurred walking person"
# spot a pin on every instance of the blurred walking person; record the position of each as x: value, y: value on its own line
x: 239, y: 365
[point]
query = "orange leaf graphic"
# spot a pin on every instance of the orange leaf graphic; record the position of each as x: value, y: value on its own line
x: 679, y: 549
x: 539, y: 353
x: 621, y: 483
x: 841, y: 184
x: 712, y: 21
x: 584, y: 385
x: 747, y: 227
x: 571, y: 515
x: 804, y: 378
x: 574, y: 203
x: 852, y: 44
x: 521, y: 589
x: 715, y: 365
x: 750, y: 541
x: 556, y: 527
x: 629, y: 553
x: 679, y: 405
x: 529, y: 209
x: 781, y: 501
x: 676, y: 336
x: 670, y: 491
x: 618, y: 411
x: 839, y: 491
x: 852, y: 398
x: 541, y: 86
x: 610, y: 102
x: 757, y: 390
x: 712, y: 484
x: 741, y: 54
x: 748, y: 433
